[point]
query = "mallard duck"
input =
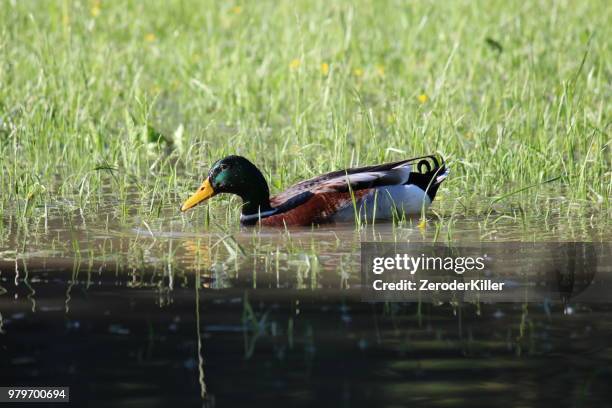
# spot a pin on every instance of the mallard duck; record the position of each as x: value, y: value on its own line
x: 374, y: 192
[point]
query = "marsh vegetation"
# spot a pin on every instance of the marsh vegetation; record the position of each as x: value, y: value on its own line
x: 111, y: 113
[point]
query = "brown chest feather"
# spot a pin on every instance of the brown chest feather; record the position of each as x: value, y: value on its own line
x: 319, y: 209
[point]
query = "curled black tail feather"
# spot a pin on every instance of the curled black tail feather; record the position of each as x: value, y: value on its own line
x: 430, y: 173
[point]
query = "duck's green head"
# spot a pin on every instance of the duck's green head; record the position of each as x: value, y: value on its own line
x: 234, y: 175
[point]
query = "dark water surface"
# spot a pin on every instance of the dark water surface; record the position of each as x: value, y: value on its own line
x: 122, y: 346
x: 163, y: 314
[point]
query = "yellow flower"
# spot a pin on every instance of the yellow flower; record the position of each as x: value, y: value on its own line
x: 380, y: 70
x: 325, y: 68
x: 150, y: 37
x: 236, y: 9
x: 358, y: 72
x: 295, y: 64
x: 95, y: 8
x: 423, y: 224
x: 423, y: 98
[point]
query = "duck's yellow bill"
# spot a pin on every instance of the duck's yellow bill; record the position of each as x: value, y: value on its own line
x: 204, y: 193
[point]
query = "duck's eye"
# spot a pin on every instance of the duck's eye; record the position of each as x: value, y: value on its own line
x: 224, y: 167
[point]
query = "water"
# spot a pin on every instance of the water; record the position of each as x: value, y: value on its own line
x: 129, y: 310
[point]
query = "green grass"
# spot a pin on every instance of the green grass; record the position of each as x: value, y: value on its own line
x: 137, y: 100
